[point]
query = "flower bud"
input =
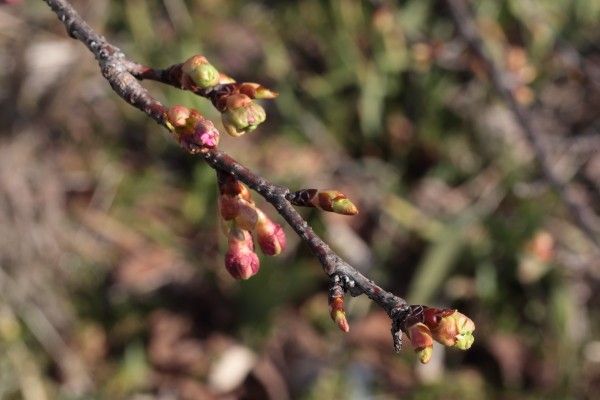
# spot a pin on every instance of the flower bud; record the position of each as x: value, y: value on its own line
x: 247, y: 216
x: 271, y: 236
x: 256, y: 91
x: 240, y: 260
x: 451, y: 328
x: 228, y: 207
x: 201, y: 72
x: 241, y: 115
x: 337, y: 313
x: 205, y: 135
x: 178, y: 116
x: 193, y: 131
x: 233, y: 187
x: 333, y: 200
x: 344, y: 206
x: 420, y: 338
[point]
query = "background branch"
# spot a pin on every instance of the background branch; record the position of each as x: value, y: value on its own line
x: 582, y: 215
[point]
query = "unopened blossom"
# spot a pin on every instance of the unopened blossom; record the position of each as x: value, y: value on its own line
x: 338, y: 314
x: 453, y: 329
x: 240, y: 260
x: 270, y: 235
x: 421, y: 339
x: 201, y: 72
x: 193, y: 131
x: 241, y: 115
x: 335, y: 201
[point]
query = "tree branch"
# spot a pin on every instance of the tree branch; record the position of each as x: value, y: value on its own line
x: 467, y: 29
x: 121, y: 73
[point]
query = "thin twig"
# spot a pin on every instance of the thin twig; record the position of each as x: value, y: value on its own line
x: 581, y: 213
x: 116, y: 68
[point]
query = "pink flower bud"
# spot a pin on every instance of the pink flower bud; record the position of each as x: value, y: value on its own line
x: 271, y: 236
x: 240, y: 260
x: 205, y: 134
x: 194, y: 132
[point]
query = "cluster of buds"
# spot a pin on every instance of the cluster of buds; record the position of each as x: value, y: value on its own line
x: 326, y: 200
x: 242, y: 217
x: 193, y: 131
x: 336, y: 307
x: 239, y: 113
x: 448, y: 327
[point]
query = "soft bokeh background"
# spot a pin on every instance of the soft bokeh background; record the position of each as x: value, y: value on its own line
x: 112, y: 282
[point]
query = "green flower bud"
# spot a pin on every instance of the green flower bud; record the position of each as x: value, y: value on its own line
x: 333, y: 200
x: 241, y: 115
x: 201, y: 72
x: 344, y: 206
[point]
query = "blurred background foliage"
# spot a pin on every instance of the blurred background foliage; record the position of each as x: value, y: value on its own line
x: 112, y: 282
